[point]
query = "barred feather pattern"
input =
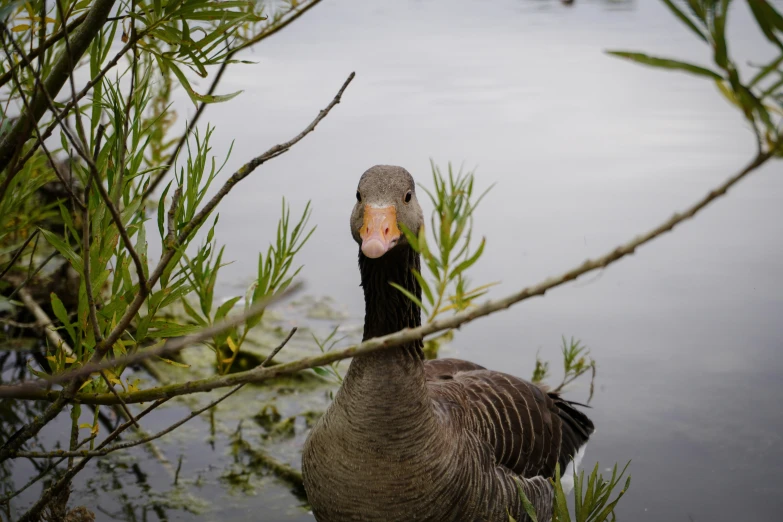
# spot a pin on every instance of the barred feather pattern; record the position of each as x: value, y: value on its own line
x: 444, y: 440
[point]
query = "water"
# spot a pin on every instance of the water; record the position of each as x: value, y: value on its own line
x: 587, y: 151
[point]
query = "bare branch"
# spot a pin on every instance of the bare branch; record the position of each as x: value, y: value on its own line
x: 144, y: 440
x: 169, y: 347
x: 251, y: 165
x: 44, y: 322
x: 18, y: 253
x: 31, y: 276
x: 33, y: 513
x: 408, y: 334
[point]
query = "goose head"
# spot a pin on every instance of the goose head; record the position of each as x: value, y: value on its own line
x: 385, y: 199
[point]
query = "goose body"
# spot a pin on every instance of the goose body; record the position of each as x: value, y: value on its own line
x: 443, y: 440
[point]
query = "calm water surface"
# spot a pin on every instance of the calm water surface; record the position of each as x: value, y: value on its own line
x: 586, y: 152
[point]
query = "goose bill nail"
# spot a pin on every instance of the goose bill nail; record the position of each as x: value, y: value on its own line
x: 379, y: 231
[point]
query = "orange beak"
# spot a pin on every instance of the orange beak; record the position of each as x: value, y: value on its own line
x: 379, y: 231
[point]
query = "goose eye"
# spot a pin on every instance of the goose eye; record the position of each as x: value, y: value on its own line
x: 358, y: 197
x: 408, y: 197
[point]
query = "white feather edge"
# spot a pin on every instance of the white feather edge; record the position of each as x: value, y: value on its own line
x: 567, y: 477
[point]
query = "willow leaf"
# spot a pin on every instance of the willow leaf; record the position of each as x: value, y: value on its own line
x: 666, y: 63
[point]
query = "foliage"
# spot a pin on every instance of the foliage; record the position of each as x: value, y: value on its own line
x: 444, y: 285
x: 760, y: 98
x: 273, y: 278
x: 326, y: 345
x: 591, y: 504
x: 81, y: 200
x: 576, y: 362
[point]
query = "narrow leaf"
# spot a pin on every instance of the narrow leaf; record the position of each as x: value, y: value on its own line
x: 665, y: 63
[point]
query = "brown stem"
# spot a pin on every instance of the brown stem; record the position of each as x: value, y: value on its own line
x: 408, y: 334
x: 61, y: 70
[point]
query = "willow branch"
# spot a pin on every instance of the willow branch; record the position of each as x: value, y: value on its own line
x: 72, y: 103
x: 169, y: 347
x: 412, y: 334
x: 34, y: 512
x: 80, y: 146
x: 56, y: 37
x: 266, y: 33
x: 27, y: 107
x: 59, y: 74
x: 102, y: 348
x: 256, y: 162
x: 144, y: 440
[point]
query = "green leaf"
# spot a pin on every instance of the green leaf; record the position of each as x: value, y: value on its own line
x: 719, y: 35
x: 65, y: 250
x: 561, y: 506
x: 529, y: 509
x: 165, y: 329
x: 59, y: 311
x: 226, y: 307
x: 322, y: 372
x: 192, y: 313
x: 162, y: 211
x: 409, y: 295
x: 425, y: 287
x: 196, y: 97
x: 771, y: 67
x: 768, y: 19
x: 468, y: 262
x: 685, y: 19
x: 666, y: 63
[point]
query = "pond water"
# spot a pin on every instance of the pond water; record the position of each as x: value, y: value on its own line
x: 586, y: 151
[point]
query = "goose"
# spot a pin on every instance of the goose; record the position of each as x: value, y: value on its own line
x: 429, y: 440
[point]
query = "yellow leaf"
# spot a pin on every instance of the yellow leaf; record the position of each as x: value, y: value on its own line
x: 84, y: 384
x: 227, y: 361
x: 51, y: 358
x: 70, y: 360
x: 231, y: 345
x: 727, y: 93
x: 21, y: 27
x: 95, y: 429
x: 86, y: 425
x: 174, y: 363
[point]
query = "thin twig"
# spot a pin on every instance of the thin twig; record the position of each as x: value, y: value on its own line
x: 102, y: 449
x: 408, y: 334
x: 299, y: 11
x: 18, y: 253
x: 69, y: 56
x: 43, y: 473
x: 31, y: 276
x: 34, y: 511
x: 251, y: 165
x: 117, y: 395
